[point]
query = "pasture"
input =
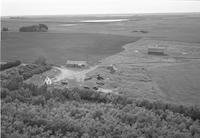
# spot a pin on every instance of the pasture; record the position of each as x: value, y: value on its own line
x: 58, y: 47
x: 73, y: 37
x: 179, y: 82
x: 84, y: 38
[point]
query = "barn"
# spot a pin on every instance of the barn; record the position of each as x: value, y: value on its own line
x: 76, y: 64
x: 157, y: 50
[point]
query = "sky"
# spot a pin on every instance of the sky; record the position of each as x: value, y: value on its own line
x: 71, y: 7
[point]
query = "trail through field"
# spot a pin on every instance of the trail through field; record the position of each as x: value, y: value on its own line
x: 66, y: 73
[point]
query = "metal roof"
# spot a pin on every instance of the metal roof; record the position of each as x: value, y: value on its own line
x: 76, y: 62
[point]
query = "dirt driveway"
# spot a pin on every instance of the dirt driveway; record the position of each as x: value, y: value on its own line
x: 66, y: 73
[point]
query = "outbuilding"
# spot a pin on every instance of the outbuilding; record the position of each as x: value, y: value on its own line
x: 78, y: 64
x: 157, y: 50
x: 48, y: 81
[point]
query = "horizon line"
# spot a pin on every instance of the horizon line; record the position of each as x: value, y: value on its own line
x: 93, y: 14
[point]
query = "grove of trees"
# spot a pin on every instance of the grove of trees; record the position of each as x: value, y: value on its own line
x: 4, y: 29
x: 28, y: 111
x: 34, y: 28
x: 9, y: 65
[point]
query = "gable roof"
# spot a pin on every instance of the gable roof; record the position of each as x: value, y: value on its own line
x: 76, y: 62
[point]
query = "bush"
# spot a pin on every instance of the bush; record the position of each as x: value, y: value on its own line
x: 10, y: 65
x: 40, y: 61
x: 4, y: 92
x: 29, y: 70
x: 43, y: 26
x: 4, y: 29
x: 39, y: 100
x: 14, y: 83
x: 42, y: 112
x: 191, y: 111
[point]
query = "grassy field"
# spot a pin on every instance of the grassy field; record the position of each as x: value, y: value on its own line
x: 172, y: 27
x: 92, y: 41
x: 180, y: 83
x: 168, y: 78
x: 58, y: 47
x: 95, y: 41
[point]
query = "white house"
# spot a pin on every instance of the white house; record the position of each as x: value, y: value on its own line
x: 48, y: 81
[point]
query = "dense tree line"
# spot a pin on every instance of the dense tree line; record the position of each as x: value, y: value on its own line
x: 34, y: 28
x: 24, y: 71
x: 29, y: 70
x: 4, y: 29
x: 9, y: 65
x: 31, y: 111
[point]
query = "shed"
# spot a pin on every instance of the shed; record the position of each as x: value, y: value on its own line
x: 79, y: 64
x: 156, y: 50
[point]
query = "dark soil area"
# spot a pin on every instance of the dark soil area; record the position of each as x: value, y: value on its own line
x: 58, y: 47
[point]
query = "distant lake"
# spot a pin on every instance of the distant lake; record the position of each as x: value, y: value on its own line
x: 94, y: 21
x: 67, y: 24
x: 105, y: 20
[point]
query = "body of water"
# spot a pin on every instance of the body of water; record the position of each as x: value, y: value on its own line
x: 67, y: 25
x: 105, y: 20
x: 95, y: 21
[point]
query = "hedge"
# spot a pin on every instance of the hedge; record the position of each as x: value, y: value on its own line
x: 9, y: 65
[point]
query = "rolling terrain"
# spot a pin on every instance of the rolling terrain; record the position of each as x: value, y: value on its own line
x: 84, y: 38
x: 124, y: 93
x: 60, y: 47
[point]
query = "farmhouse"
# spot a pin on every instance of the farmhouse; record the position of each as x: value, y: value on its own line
x: 157, y: 50
x: 78, y: 64
x: 48, y: 81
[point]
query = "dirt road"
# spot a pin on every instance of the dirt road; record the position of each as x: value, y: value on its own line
x: 66, y: 73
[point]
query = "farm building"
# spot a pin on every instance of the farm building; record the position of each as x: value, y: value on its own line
x: 78, y: 64
x: 40, y: 80
x: 157, y: 50
x: 48, y: 81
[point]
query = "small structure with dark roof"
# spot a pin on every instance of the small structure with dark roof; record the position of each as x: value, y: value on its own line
x: 156, y: 50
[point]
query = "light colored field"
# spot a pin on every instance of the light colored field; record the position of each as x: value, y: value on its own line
x: 68, y: 74
x: 180, y: 83
x: 172, y: 78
